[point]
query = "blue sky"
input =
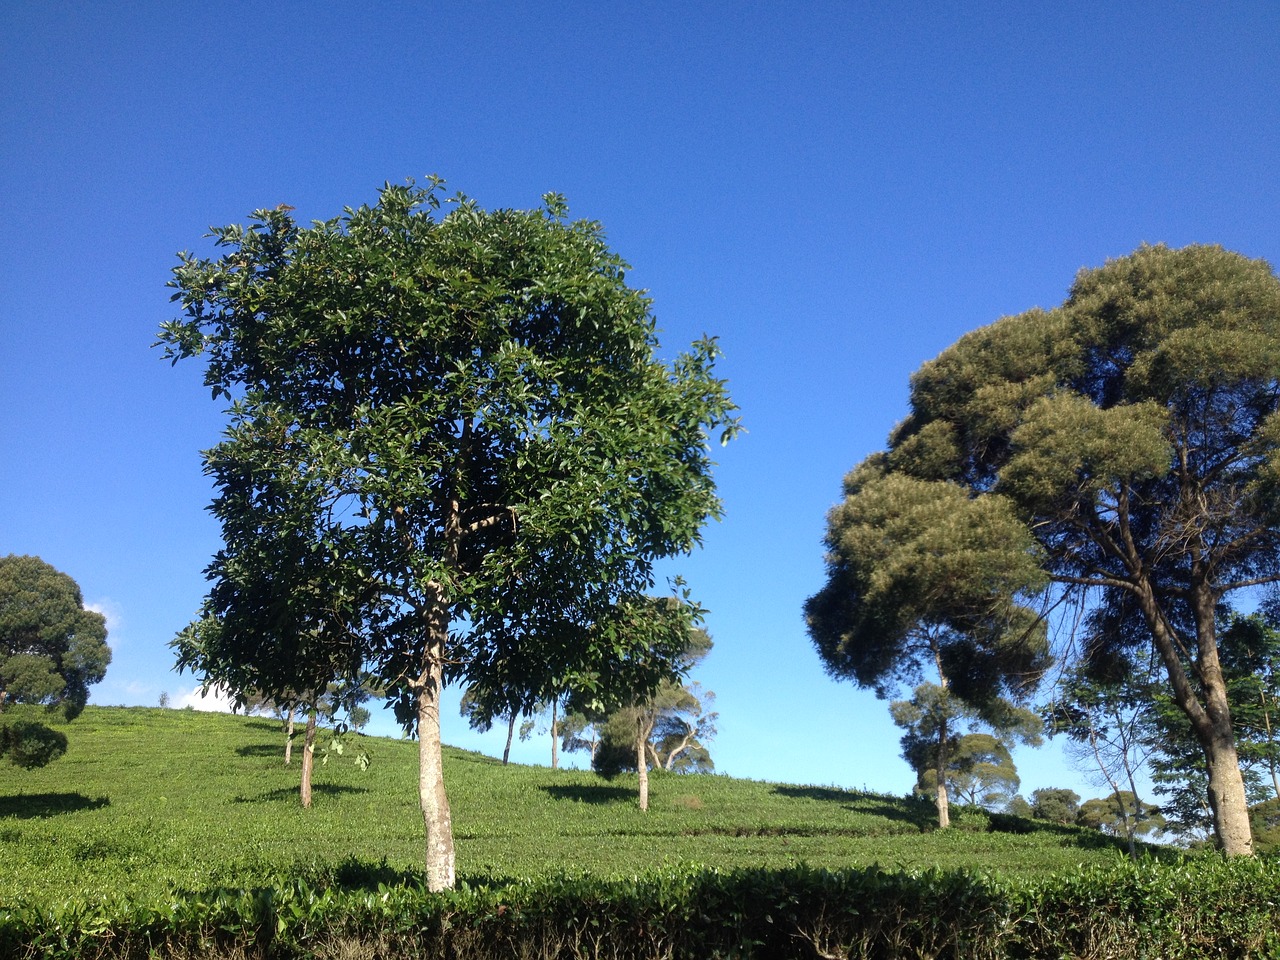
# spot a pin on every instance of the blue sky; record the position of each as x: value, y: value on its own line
x: 836, y: 190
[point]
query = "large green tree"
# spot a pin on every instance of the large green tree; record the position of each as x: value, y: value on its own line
x: 51, y: 651
x: 452, y: 452
x: 1134, y: 435
x: 925, y: 580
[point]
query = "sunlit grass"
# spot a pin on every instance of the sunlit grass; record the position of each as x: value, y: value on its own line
x: 151, y: 800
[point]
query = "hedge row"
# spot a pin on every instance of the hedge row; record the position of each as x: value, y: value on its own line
x: 1201, y: 908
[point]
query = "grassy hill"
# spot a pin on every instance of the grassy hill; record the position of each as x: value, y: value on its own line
x: 148, y: 800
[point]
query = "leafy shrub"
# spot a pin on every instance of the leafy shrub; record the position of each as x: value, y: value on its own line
x: 29, y: 745
x: 1195, y: 909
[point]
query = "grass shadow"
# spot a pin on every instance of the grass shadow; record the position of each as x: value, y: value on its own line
x: 588, y: 793
x: 260, y: 750
x: 920, y: 814
x: 291, y: 793
x: 275, y: 726
x: 29, y: 806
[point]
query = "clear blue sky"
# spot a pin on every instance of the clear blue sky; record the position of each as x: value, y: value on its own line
x: 836, y: 190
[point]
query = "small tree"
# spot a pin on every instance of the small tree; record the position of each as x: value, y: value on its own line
x: 1055, y: 804
x: 51, y: 651
x: 974, y: 767
x: 452, y: 451
x: 629, y: 699
x: 1121, y: 815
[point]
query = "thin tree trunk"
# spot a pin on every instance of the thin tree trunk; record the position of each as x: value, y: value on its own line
x: 642, y: 764
x: 308, y: 757
x: 436, y: 816
x: 681, y: 747
x: 288, y: 738
x: 1271, y: 744
x: 511, y: 732
x: 555, y: 737
x: 943, y: 802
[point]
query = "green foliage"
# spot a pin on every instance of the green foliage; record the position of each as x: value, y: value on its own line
x: 1265, y: 819
x: 436, y: 419
x: 29, y: 744
x: 51, y: 648
x: 980, y: 771
x: 1121, y: 814
x: 671, y: 719
x: 977, y: 767
x: 1128, y: 441
x: 920, y: 573
x: 1055, y: 804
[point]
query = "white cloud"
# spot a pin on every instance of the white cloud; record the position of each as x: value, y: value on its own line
x: 216, y: 700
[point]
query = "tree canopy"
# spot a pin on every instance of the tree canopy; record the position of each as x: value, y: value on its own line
x: 51, y: 648
x: 1128, y: 441
x: 453, y: 453
x: 51, y: 651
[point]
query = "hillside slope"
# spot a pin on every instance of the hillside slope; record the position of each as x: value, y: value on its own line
x: 151, y: 799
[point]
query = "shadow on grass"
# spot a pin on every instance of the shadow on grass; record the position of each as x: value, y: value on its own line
x: 275, y: 726
x: 291, y: 793
x: 589, y: 793
x: 261, y: 750
x: 920, y: 815
x: 28, y: 806
x: 1080, y: 836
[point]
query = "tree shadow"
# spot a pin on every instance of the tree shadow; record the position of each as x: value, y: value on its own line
x: 261, y: 750
x: 920, y: 814
x: 28, y: 806
x: 588, y: 793
x: 275, y: 726
x: 291, y: 793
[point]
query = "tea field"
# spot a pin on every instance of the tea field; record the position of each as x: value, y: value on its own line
x: 149, y: 800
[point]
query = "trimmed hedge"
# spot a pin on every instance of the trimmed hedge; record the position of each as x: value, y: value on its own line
x: 1200, y: 908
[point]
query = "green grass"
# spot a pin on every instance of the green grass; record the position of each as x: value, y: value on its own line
x: 148, y: 801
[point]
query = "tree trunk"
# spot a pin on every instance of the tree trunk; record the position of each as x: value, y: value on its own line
x: 681, y: 747
x: 1227, y: 797
x: 555, y: 738
x: 288, y: 738
x: 511, y: 732
x: 308, y: 757
x: 642, y: 764
x: 1210, y: 720
x: 943, y: 802
x: 435, y: 804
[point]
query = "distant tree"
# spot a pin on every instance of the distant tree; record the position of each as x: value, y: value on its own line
x: 481, y: 717
x: 643, y: 697
x: 1133, y: 434
x: 1055, y: 804
x: 164, y: 700
x: 1109, y: 724
x: 685, y: 724
x: 580, y: 731
x: 923, y: 578
x: 51, y: 651
x: 452, y: 452
x: 1121, y: 815
x: 1265, y: 818
x: 1019, y: 807
x: 979, y: 768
